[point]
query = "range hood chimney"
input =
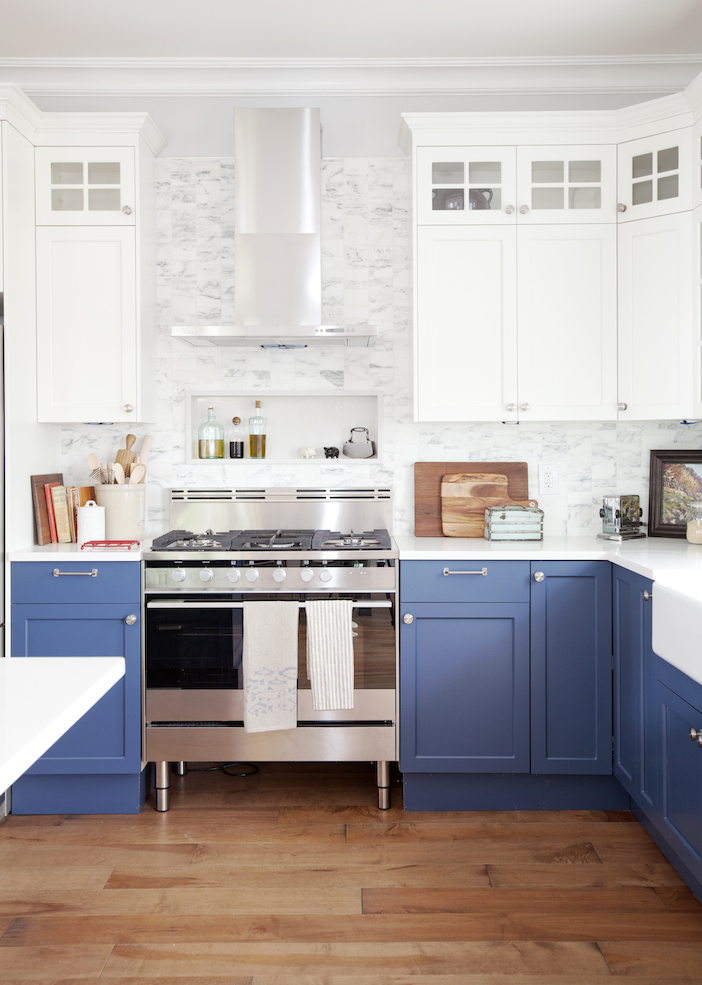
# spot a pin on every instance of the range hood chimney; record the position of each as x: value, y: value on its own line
x: 277, y: 238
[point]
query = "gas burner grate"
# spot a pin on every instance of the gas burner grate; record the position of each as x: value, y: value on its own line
x: 328, y: 540
x: 186, y: 540
x: 273, y: 540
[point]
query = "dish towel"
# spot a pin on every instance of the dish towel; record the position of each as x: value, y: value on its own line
x: 270, y: 665
x: 330, y: 653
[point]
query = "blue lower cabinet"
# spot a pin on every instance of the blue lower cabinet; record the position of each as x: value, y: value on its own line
x: 96, y: 766
x: 571, y: 667
x: 464, y: 687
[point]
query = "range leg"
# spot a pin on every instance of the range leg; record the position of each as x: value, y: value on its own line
x: 163, y: 781
x: 179, y: 768
x: 382, y: 772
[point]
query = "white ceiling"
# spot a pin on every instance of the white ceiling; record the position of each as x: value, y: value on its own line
x: 348, y: 28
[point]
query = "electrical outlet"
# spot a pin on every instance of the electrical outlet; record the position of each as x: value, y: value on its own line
x: 548, y: 479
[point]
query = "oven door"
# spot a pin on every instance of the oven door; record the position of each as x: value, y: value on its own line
x: 194, y: 660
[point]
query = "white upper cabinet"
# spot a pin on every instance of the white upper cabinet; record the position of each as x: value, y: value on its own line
x: 474, y: 186
x: 654, y: 175
x: 566, y: 184
x: 697, y: 312
x: 85, y: 186
x: 697, y: 164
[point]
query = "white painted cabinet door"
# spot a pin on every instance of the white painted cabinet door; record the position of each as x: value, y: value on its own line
x: 567, y: 317
x: 654, y: 175
x: 465, y: 337
x: 655, y: 318
x: 697, y: 312
x: 567, y: 184
x: 85, y: 186
x: 86, y: 324
x: 697, y: 164
x: 474, y: 186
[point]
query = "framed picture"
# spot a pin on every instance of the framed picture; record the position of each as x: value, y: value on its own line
x: 676, y: 481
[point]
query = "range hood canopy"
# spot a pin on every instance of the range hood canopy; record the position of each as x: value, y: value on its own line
x: 277, y: 238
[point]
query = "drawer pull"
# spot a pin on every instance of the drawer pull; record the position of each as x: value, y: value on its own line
x: 88, y: 574
x: 696, y: 736
x: 483, y: 571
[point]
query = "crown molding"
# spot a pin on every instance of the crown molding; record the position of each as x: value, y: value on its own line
x: 19, y: 110
x: 51, y: 125
x: 268, y: 63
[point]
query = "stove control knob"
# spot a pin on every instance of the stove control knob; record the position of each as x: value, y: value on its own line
x: 279, y: 575
x: 234, y: 574
x: 325, y: 575
x: 178, y: 575
x: 252, y: 574
x: 206, y: 574
x: 306, y: 574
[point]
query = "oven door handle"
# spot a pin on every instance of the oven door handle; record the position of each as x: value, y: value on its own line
x: 240, y: 605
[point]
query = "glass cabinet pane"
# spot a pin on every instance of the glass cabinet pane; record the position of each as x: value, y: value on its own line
x: 447, y: 199
x: 103, y: 199
x: 584, y: 198
x: 485, y: 173
x: 585, y: 171
x: 642, y: 192
x: 547, y: 198
x: 67, y: 173
x: 443, y: 173
x: 668, y: 159
x: 103, y: 173
x: 546, y: 172
x: 484, y: 198
x: 668, y: 187
x: 641, y: 165
x: 66, y: 199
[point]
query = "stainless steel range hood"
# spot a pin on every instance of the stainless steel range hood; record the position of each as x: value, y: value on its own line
x: 277, y: 238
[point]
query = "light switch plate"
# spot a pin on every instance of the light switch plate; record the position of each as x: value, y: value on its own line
x: 548, y: 480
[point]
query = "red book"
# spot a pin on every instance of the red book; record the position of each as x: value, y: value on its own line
x: 50, y: 510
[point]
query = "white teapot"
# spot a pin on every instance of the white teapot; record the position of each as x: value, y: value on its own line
x: 359, y: 444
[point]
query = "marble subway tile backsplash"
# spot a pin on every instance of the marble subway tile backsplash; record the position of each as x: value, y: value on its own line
x: 366, y: 240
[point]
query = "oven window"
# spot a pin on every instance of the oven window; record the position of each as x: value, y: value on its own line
x: 373, y: 650
x: 194, y: 648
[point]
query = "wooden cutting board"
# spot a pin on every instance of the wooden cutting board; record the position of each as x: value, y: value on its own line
x: 465, y: 497
x: 427, y: 488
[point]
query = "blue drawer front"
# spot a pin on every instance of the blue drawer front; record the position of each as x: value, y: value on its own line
x: 116, y: 581
x: 424, y: 581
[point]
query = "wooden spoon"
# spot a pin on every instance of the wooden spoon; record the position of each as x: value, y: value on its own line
x: 137, y: 474
x: 118, y: 474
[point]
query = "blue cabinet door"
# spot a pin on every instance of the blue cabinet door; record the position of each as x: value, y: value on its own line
x: 571, y: 667
x: 636, y: 740
x: 464, y: 688
x: 107, y: 739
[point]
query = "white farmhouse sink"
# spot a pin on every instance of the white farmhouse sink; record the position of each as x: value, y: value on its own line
x: 677, y: 622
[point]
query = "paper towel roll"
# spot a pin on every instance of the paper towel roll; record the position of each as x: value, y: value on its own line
x: 91, y: 522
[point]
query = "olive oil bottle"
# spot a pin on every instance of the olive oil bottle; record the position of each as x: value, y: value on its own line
x: 210, y: 437
x: 257, y: 433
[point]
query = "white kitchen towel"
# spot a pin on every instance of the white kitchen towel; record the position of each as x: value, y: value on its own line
x: 330, y: 653
x: 270, y: 665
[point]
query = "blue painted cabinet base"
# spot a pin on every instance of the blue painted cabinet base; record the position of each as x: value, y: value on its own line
x: 71, y: 793
x: 691, y: 878
x: 512, y: 792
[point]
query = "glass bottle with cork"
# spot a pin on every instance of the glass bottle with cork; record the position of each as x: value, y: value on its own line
x: 210, y: 437
x: 257, y: 433
x: 236, y: 439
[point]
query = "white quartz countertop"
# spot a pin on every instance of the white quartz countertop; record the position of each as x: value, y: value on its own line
x: 41, y: 698
x: 72, y: 552
x: 652, y: 557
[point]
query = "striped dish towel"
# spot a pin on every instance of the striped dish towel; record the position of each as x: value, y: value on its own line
x: 270, y: 665
x: 330, y: 653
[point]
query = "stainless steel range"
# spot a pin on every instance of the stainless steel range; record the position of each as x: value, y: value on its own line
x: 228, y: 546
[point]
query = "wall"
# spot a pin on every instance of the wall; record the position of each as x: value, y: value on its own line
x: 366, y: 263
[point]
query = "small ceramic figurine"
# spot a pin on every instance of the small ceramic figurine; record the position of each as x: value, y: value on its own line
x: 309, y: 451
x: 331, y: 452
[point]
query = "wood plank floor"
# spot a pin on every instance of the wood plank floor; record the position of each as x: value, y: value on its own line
x: 293, y: 877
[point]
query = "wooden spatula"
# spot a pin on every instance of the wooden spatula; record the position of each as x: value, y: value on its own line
x: 125, y: 456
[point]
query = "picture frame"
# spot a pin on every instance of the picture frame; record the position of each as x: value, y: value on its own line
x: 676, y: 480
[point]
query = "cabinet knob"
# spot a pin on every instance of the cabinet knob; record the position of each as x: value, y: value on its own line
x: 127, y: 209
x: 130, y: 620
x: 524, y: 406
x: 509, y: 209
x: 621, y: 207
x: 539, y: 576
x: 695, y: 734
x: 621, y: 406
x: 128, y: 408
x: 408, y: 619
x: 511, y: 408
x: 524, y: 209
x: 647, y: 596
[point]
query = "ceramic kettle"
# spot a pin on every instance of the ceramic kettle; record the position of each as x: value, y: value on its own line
x: 359, y: 444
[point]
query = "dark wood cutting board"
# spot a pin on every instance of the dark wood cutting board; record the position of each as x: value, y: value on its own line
x: 427, y: 488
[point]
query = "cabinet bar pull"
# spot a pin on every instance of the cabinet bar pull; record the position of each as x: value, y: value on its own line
x: 88, y: 574
x: 483, y: 571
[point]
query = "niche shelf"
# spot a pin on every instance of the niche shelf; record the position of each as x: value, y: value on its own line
x: 295, y: 420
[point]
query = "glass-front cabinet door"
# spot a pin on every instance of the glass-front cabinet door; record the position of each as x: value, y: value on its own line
x: 654, y: 175
x: 566, y: 184
x: 459, y: 186
x: 85, y: 186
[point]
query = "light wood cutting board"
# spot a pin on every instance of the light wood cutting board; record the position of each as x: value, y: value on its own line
x: 465, y: 497
x: 427, y: 488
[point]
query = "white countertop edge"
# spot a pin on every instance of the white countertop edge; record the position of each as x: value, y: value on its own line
x: 72, y: 552
x: 41, y: 698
